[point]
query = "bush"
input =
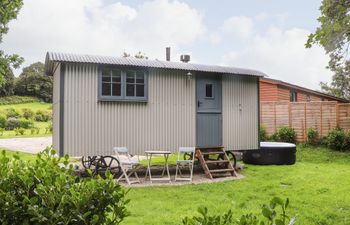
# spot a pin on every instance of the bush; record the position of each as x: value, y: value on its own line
x: 42, y: 191
x: 336, y: 139
x: 312, y: 136
x: 12, y: 123
x: 48, y: 128
x: 2, y: 131
x: 21, y: 131
x: 15, y: 99
x: 263, y: 133
x: 286, y: 134
x: 27, y: 113
x: 42, y: 116
x: 3, y: 122
x: 269, y: 215
x: 26, y: 124
x: 11, y: 112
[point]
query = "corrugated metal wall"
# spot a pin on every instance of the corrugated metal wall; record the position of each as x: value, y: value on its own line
x: 56, y: 108
x: 165, y: 122
x: 240, y: 123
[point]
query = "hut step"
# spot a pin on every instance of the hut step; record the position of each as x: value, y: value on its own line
x: 203, y: 156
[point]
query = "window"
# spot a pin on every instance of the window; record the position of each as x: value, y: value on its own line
x: 293, y: 96
x: 135, y: 84
x: 209, y: 91
x: 122, y: 85
x: 308, y: 98
x: 111, y: 83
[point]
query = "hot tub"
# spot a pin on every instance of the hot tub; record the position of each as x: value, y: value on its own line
x: 271, y: 153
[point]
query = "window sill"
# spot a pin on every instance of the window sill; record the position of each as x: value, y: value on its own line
x: 121, y: 100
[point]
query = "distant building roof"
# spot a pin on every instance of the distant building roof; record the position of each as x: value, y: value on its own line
x: 296, y: 87
x: 52, y: 57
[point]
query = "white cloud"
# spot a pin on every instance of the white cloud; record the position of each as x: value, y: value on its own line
x: 89, y: 26
x: 282, y: 55
x: 241, y: 26
x: 215, y: 38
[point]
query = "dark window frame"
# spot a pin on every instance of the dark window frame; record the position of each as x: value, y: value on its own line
x: 293, y: 96
x: 123, y: 97
x: 212, y: 91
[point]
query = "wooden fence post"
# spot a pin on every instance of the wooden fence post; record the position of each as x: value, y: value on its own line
x: 274, y: 110
x: 321, y: 108
x: 305, y: 125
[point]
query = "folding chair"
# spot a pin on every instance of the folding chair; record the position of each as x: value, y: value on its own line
x: 182, y: 163
x: 128, y: 165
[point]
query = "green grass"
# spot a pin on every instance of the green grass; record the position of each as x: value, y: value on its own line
x: 33, y: 106
x: 22, y: 155
x: 318, y: 187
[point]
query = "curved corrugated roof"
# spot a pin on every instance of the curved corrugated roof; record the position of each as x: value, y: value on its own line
x: 52, y: 57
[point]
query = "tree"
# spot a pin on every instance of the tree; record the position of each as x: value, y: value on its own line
x: 33, y: 82
x: 8, y: 85
x: 8, y: 11
x: 333, y: 35
x: 138, y: 55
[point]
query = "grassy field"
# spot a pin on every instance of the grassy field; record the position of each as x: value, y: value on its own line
x: 318, y: 186
x: 22, y: 155
x: 33, y: 106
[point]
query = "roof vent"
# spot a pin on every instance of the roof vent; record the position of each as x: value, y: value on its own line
x: 185, y: 58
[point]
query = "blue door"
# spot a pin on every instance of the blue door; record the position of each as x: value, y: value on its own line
x: 209, y: 111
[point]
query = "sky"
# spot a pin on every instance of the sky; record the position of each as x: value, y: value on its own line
x: 266, y: 35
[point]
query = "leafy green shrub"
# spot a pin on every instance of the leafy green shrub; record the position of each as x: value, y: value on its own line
x: 12, y: 123
x: 16, y: 130
x: 336, y: 139
x: 312, y: 136
x: 2, y: 131
x: 42, y: 116
x: 11, y: 112
x: 26, y: 124
x: 21, y: 131
x: 44, y: 191
x: 15, y: 99
x: 286, y: 134
x: 274, y: 137
x: 263, y: 133
x: 48, y: 128
x: 270, y: 216
x: 3, y: 122
x: 27, y: 113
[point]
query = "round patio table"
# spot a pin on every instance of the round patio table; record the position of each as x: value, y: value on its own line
x: 165, y: 154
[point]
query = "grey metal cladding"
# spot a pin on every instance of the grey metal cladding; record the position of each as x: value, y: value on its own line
x: 52, y: 58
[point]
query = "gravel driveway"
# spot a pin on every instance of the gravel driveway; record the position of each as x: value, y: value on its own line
x: 30, y: 145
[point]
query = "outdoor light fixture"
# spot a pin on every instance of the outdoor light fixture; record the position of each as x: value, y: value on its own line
x: 189, y: 76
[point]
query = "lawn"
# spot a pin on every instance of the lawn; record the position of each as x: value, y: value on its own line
x: 318, y: 186
x: 22, y: 155
x: 33, y: 106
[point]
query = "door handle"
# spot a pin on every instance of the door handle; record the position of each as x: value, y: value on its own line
x: 199, y: 103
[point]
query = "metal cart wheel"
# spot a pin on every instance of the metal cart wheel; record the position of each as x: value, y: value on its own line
x: 231, y: 157
x: 188, y: 156
x: 107, y: 163
x: 89, y: 162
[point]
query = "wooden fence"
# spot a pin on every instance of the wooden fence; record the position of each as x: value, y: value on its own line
x: 322, y: 116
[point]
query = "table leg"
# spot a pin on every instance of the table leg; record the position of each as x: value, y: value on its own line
x: 149, y: 158
x: 166, y: 157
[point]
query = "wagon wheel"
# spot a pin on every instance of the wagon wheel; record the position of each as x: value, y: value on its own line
x: 107, y: 163
x: 230, y: 156
x: 89, y: 162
